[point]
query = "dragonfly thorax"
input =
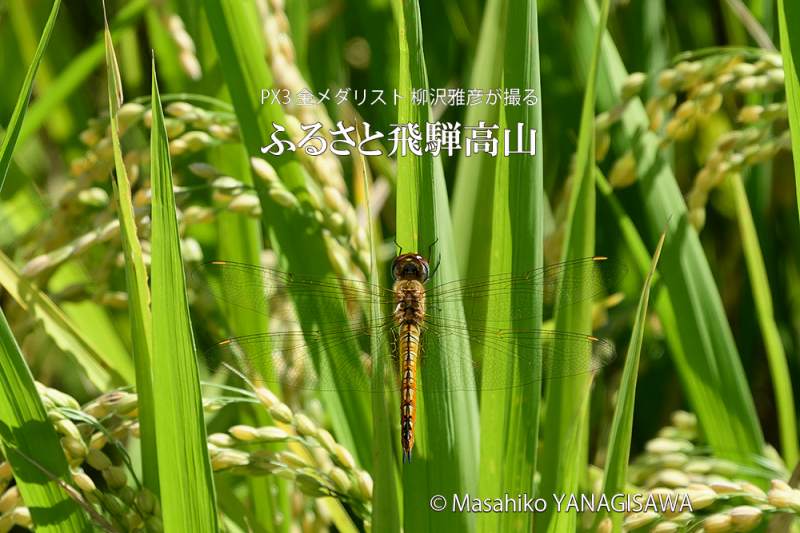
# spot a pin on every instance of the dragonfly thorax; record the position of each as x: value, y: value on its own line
x: 409, y: 302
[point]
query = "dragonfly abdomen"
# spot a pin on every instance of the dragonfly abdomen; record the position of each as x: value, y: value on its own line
x: 409, y: 348
x: 408, y: 315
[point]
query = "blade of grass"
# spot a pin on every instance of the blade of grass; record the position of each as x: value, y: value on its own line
x: 574, y: 446
x: 446, y: 453
x: 15, y: 124
x: 60, y: 122
x: 24, y: 424
x: 241, y: 50
x: 687, y: 372
x: 56, y: 322
x: 79, y: 69
x: 561, y: 472
x: 385, y: 503
x: 185, y: 478
x: 136, y: 279
x: 619, y: 440
x: 510, y: 417
x: 472, y: 216
x: 662, y: 303
x: 719, y: 393
x: 776, y: 356
x: 789, y: 17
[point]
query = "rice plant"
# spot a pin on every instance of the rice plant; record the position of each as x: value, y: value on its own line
x: 275, y: 266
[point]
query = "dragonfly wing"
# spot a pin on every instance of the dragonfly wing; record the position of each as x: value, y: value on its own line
x: 251, y: 287
x: 509, y: 296
x: 506, y: 358
x: 328, y: 361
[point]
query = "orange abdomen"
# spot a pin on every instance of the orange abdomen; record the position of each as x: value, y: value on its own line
x: 409, y: 317
x: 408, y: 351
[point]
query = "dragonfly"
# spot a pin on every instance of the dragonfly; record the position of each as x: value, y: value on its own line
x: 417, y: 318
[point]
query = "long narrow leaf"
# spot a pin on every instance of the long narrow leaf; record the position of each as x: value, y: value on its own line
x: 23, y: 421
x: 788, y: 22
x: 472, y: 215
x: 185, y: 478
x: 98, y: 352
x: 619, y: 440
x: 385, y: 503
x: 560, y: 472
x: 15, y: 124
x: 135, y: 277
x: 446, y: 453
x: 510, y: 417
x: 574, y: 446
x: 776, y: 355
x: 718, y: 391
x: 79, y: 69
x: 642, y: 259
x: 24, y: 426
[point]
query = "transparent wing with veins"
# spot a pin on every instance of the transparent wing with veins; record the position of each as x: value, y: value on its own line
x: 251, y: 287
x: 296, y: 354
x: 509, y: 295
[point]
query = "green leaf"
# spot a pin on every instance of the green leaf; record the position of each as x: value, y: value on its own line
x: 385, y: 503
x: 446, y: 452
x: 185, y: 478
x: 135, y: 277
x: 17, y: 116
x: 776, y: 355
x: 574, y: 446
x: 268, y: 496
x: 562, y: 472
x: 472, y: 215
x: 789, y: 17
x: 619, y: 439
x: 24, y: 426
x: 714, y: 378
x: 20, y: 17
x: 510, y: 417
x: 642, y: 259
x: 97, y: 365
x: 81, y: 68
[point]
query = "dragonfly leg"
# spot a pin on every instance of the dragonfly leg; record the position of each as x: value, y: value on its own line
x: 430, y: 248
x: 436, y: 266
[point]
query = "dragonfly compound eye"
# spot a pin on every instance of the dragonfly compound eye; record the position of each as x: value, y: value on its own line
x: 425, y: 271
x: 397, y: 271
x: 410, y: 266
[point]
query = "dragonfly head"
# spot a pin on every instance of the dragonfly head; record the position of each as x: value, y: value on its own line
x: 410, y: 267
